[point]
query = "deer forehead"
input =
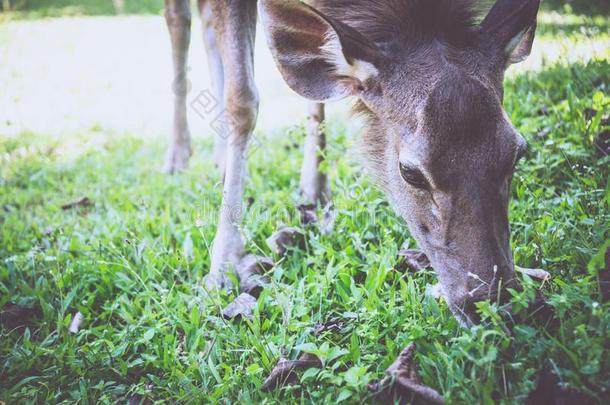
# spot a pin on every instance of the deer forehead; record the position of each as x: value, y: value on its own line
x: 460, y: 143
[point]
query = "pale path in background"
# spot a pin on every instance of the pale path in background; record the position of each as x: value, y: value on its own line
x: 64, y: 77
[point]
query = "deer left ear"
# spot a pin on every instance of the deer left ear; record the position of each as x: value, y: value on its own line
x: 509, y: 29
x: 320, y: 58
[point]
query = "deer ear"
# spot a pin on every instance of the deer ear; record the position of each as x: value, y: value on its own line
x: 320, y: 58
x: 509, y: 29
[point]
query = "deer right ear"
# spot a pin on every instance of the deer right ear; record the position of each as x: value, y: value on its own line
x: 320, y: 59
x: 509, y: 28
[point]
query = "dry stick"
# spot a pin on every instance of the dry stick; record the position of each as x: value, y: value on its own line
x: 81, y: 202
x: 284, y: 369
x: 76, y: 321
x: 406, y: 376
x: 250, y: 271
x: 535, y: 273
x: 424, y: 392
x: 243, y: 306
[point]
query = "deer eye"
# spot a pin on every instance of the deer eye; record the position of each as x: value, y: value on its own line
x: 413, y: 177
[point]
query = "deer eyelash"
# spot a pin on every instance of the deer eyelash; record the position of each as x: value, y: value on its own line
x: 413, y: 177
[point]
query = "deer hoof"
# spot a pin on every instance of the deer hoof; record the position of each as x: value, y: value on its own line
x: 177, y: 158
x: 242, y: 306
x: 215, y: 281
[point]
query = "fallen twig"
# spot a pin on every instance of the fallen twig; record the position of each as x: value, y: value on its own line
x: 241, y: 306
x: 82, y: 202
x: 76, y: 321
x: 250, y: 270
x: 283, y: 372
x: 535, y: 273
x: 308, y: 214
x: 404, y: 373
x: 333, y: 326
x: 284, y: 239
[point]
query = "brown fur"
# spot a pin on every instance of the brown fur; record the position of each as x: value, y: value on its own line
x: 392, y: 23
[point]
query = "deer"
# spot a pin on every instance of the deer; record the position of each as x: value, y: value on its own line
x: 427, y: 76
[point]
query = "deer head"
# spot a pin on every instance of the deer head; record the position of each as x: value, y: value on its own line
x: 429, y: 81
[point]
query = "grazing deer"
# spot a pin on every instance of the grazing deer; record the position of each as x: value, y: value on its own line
x: 428, y: 78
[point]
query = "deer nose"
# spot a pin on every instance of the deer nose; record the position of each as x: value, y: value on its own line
x: 486, y: 282
x: 480, y: 286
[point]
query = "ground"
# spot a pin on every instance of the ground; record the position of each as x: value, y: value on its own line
x: 79, y: 118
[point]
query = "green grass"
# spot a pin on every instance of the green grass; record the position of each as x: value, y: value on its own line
x: 579, y: 6
x: 127, y: 265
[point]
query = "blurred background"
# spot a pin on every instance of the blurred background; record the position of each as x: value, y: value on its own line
x: 73, y: 66
x: 112, y: 7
